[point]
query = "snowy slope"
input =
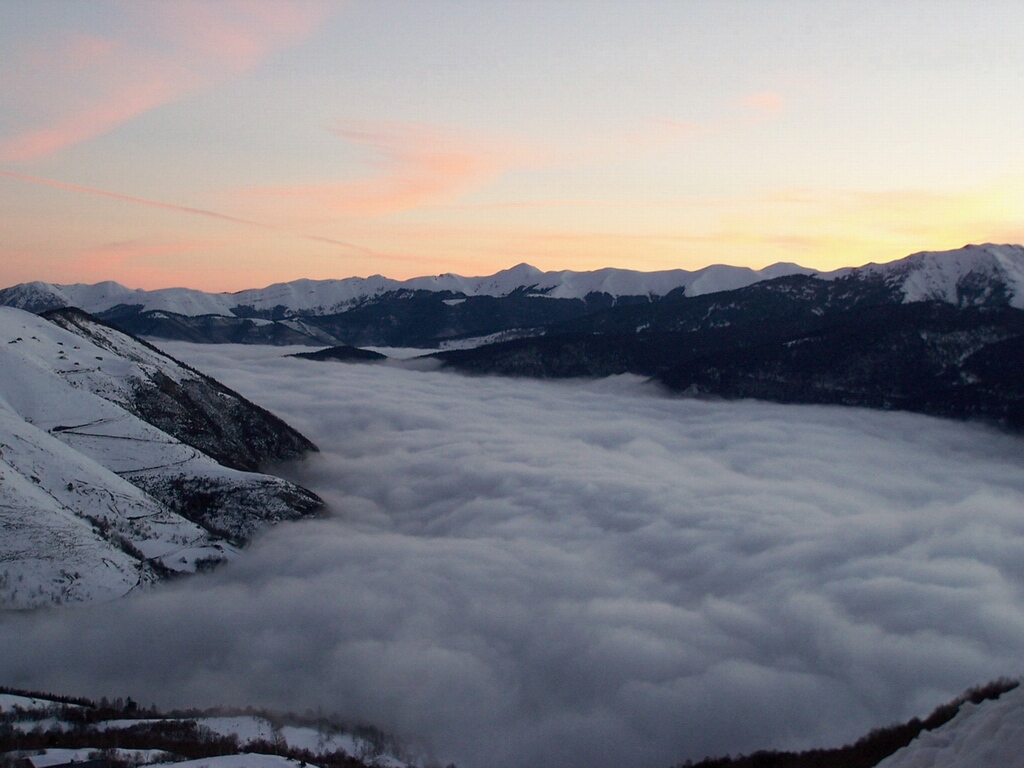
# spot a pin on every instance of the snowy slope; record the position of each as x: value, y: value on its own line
x: 89, y: 492
x: 87, y: 397
x: 59, y: 756
x: 195, y: 409
x: 255, y: 728
x: 48, y: 553
x: 11, y: 701
x: 75, y: 529
x: 76, y: 481
x: 985, y: 735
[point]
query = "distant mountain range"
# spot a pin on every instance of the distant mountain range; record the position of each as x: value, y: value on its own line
x: 447, y: 311
x: 937, y: 332
x: 120, y: 466
x: 327, y: 297
x: 421, y: 312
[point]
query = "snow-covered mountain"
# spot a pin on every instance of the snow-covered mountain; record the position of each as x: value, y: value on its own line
x: 326, y: 297
x: 449, y: 311
x: 974, y: 273
x: 95, y: 499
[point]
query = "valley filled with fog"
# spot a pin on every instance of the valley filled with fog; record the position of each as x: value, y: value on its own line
x: 517, y: 572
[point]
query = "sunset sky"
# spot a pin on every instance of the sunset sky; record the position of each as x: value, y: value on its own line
x: 228, y: 145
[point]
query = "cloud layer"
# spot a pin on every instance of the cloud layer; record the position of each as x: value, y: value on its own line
x: 526, y: 573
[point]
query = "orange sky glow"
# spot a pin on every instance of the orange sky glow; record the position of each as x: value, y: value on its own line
x: 229, y: 144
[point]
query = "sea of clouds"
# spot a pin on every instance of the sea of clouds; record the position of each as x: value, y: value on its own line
x: 522, y: 573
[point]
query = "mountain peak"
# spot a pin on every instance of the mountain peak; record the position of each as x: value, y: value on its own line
x: 522, y: 268
x: 969, y: 276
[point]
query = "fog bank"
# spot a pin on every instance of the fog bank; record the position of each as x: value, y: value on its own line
x: 529, y: 573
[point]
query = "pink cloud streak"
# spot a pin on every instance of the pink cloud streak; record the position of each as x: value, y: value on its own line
x: 414, y: 164
x: 93, y: 84
x: 87, y: 123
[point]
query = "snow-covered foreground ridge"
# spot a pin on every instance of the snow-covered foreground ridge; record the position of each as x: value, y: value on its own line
x: 983, y: 728
x: 966, y: 274
x: 95, y: 498
x: 49, y: 732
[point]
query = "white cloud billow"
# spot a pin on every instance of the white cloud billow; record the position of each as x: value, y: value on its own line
x: 528, y: 573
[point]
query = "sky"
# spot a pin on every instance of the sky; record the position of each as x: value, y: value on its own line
x: 610, y: 577
x: 224, y: 145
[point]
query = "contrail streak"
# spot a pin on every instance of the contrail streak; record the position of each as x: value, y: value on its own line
x: 182, y: 209
x: 131, y: 199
